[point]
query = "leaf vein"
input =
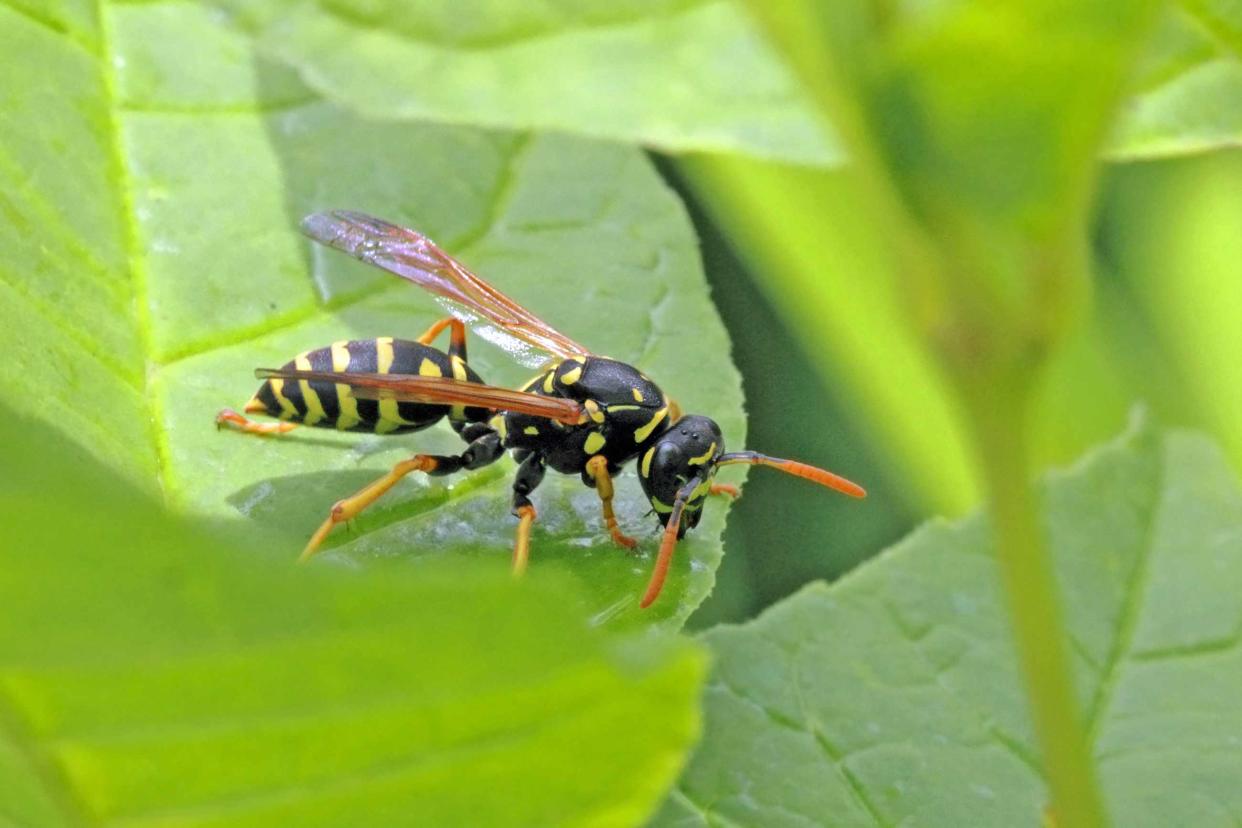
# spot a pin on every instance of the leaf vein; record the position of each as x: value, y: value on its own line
x: 1135, y: 590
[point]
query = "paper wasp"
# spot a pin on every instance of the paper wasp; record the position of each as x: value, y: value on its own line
x: 582, y: 414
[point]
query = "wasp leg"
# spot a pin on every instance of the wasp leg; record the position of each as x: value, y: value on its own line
x: 529, y: 475
x: 231, y: 419
x: 725, y: 489
x: 457, y: 338
x: 597, y: 467
x: 484, y: 449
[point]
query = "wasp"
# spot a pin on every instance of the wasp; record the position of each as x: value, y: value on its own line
x: 583, y: 414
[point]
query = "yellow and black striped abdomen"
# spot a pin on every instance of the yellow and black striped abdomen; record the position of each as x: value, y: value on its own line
x: 332, y: 405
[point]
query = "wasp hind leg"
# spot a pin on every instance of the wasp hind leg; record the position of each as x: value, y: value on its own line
x: 597, y: 468
x: 457, y: 335
x: 228, y: 418
x: 529, y: 475
x: 484, y: 449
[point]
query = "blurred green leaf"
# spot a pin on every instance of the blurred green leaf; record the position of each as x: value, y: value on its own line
x: 152, y: 674
x: 893, y: 695
x: 832, y: 274
x: 672, y: 74
x: 1223, y: 18
x: 140, y: 290
x: 1189, y: 90
x: 1173, y: 232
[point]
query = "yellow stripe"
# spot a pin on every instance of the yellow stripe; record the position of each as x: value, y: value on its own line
x: 572, y: 376
x: 662, y: 508
x: 287, y: 409
x: 458, y: 412
x: 638, y: 395
x: 390, y: 418
x: 348, y: 418
x: 613, y: 409
x: 594, y: 442
x: 383, y: 354
x: 704, y: 457
x: 641, y: 434
x: 547, y: 381
x: 531, y: 430
x: 501, y: 427
x: 646, y: 466
x: 314, y: 408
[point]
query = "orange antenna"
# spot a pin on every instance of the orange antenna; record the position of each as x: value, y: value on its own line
x: 806, y: 472
x: 668, y: 543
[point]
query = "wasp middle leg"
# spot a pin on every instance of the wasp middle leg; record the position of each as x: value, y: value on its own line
x: 529, y: 475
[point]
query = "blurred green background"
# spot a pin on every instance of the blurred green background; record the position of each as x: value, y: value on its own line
x: 1163, y: 329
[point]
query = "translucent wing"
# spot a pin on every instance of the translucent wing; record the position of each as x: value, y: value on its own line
x: 413, y: 256
x: 437, y: 391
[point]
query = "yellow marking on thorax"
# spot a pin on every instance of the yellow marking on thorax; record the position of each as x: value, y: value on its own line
x: 704, y: 457
x: 533, y: 431
x: 612, y: 409
x: 643, y: 432
x: 638, y: 395
x: 348, y: 418
x: 593, y: 411
x: 571, y: 376
x: 500, y: 426
x: 646, y: 464
x: 287, y: 409
x: 314, y: 408
x: 594, y: 442
x: 547, y: 382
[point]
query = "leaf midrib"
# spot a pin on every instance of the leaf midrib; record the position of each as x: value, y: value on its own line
x: 135, y: 262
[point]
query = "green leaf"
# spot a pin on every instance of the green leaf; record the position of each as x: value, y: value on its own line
x: 151, y: 674
x: 893, y: 695
x: 674, y: 74
x: 150, y: 261
x: 1189, y: 98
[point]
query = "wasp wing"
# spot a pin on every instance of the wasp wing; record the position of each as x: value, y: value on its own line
x: 438, y: 391
x: 411, y: 255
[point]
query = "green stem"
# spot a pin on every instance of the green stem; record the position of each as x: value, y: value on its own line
x: 999, y: 413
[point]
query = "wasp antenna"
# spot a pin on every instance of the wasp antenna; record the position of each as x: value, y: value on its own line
x: 803, y: 470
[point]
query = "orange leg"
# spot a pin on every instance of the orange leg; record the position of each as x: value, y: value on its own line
x: 521, y: 544
x: 231, y: 419
x: 597, y: 466
x: 726, y: 489
x: 457, y: 339
x: 352, y: 506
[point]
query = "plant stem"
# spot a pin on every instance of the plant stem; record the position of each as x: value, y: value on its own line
x: 999, y: 413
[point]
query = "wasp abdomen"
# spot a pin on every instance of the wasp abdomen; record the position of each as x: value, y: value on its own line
x: 332, y: 405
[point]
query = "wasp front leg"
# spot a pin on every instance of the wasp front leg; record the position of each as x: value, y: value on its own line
x: 484, y: 449
x: 597, y: 468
